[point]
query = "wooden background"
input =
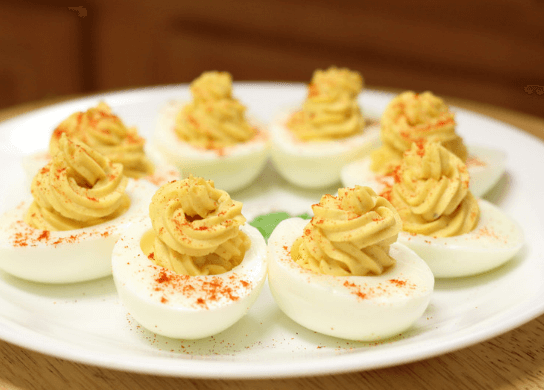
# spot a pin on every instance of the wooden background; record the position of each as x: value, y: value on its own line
x: 483, y: 50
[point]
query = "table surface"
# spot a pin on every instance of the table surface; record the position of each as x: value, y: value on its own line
x: 514, y: 360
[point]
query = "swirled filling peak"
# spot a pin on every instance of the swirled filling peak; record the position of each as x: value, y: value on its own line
x: 214, y: 119
x: 331, y: 110
x: 431, y: 192
x: 412, y: 117
x: 77, y: 189
x: 350, y: 234
x: 196, y: 229
x: 104, y: 131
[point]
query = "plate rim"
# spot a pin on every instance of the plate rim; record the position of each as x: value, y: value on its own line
x: 256, y: 370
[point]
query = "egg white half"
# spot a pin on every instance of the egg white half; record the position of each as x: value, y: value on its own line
x: 180, y: 306
x: 495, y: 240
x: 485, y: 167
x: 67, y: 256
x: 316, y: 164
x: 351, y: 307
x: 231, y: 168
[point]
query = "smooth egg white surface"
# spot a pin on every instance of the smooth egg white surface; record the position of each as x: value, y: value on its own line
x: 316, y: 164
x: 495, y: 240
x: 181, y: 306
x: 163, y: 173
x: 231, y: 168
x: 485, y: 167
x: 352, y: 307
x: 67, y: 256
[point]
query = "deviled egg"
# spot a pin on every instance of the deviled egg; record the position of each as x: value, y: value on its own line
x: 412, y: 117
x: 455, y: 233
x: 193, y: 268
x: 81, y: 203
x: 310, y: 145
x: 105, y: 132
x: 343, y: 274
x: 211, y: 137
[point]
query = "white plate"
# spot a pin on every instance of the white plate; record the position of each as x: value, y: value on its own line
x: 87, y: 323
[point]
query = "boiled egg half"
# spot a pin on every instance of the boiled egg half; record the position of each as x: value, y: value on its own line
x: 485, y: 167
x: 231, y: 168
x: 67, y: 256
x: 363, y: 308
x: 182, y: 306
x: 494, y: 241
x: 317, y: 164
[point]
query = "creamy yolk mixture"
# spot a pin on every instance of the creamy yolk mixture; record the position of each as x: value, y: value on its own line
x: 196, y: 229
x: 331, y: 110
x: 103, y: 131
x: 412, y: 117
x: 349, y: 234
x: 77, y: 189
x: 214, y: 119
x: 431, y: 192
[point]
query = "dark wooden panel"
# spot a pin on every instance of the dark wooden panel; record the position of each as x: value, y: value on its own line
x: 483, y: 50
x: 500, y: 49
x: 39, y: 52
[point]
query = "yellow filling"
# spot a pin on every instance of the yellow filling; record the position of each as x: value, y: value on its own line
x: 331, y: 110
x: 103, y: 131
x: 196, y: 229
x: 214, y: 119
x: 431, y: 192
x: 349, y: 234
x: 77, y: 189
x: 412, y: 117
